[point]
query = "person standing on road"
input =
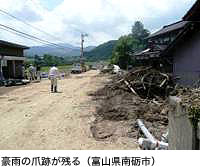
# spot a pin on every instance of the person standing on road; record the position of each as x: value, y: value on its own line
x: 38, y: 68
x: 32, y: 72
x: 53, y: 75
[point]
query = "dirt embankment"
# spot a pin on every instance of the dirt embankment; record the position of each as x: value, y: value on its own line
x: 119, y: 109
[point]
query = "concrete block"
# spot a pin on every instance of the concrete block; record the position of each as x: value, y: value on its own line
x: 181, y: 132
x: 174, y: 101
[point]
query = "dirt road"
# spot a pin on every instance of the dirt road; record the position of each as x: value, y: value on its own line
x: 33, y: 118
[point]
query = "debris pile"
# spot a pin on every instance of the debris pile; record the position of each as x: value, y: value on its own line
x: 138, y: 94
x: 107, y: 69
x: 191, y: 101
x: 112, y: 69
x: 148, y: 83
x: 189, y: 97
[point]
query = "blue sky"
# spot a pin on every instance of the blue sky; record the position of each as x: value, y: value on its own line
x: 103, y: 20
x: 50, y: 4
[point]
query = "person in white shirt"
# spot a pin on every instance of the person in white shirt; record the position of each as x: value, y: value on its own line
x: 32, y: 72
x: 53, y: 75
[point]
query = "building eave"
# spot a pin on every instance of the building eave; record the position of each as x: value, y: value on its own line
x: 169, y: 29
x: 179, y: 38
x: 194, y: 12
x: 14, y: 45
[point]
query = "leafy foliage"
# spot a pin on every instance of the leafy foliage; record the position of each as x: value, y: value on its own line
x: 123, y: 49
x: 128, y: 44
x: 49, y: 60
x: 139, y: 32
x: 101, y: 52
x: 118, y: 51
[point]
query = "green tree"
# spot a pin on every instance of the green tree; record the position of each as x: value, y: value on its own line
x: 121, y: 53
x: 128, y: 44
x: 139, y: 32
x: 27, y: 62
x: 49, y: 60
x: 38, y: 60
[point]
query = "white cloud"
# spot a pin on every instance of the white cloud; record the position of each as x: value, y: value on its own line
x: 101, y: 19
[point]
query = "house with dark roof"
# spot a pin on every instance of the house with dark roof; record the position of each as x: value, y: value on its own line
x: 158, y: 42
x: 11, y: 60
x: 168, y: 33
x: 194, y: 13
x: 180, y: 48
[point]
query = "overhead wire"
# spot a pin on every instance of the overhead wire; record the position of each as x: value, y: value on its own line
x: 75, y: 29
x: 24, y: 22
x: 72, y: 26
x: 32, y: 37
x: 34, y: 27
x: 15, y: 33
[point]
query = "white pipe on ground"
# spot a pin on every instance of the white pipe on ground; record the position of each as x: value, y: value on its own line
x: 147, y: 144
x: 145, y: 130
x: 150, y: 143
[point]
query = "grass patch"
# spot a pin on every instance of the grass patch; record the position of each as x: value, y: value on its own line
x: 60, y: 68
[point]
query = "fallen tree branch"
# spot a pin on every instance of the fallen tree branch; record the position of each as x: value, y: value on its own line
x: 164, y: 81
x: 130, y: 87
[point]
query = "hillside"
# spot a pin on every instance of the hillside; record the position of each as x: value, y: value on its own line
x: 101, y: 52
x: 69, y: 51
x: 92, y: 53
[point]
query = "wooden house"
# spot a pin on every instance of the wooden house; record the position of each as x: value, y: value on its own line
x: 194, y: 13
x: 180, y: 53
x: 11, y: 60
x: 158, y: 42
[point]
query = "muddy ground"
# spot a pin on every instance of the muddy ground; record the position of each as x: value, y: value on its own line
x: 33, y: 118
x: 119, y: 109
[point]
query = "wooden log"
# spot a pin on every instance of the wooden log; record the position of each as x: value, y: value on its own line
x: 130, y: 87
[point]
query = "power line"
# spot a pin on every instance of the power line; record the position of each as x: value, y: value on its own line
x: 15, y: 33
x: 76, y: 29
x: 31, y: 36
x: 38, y: 29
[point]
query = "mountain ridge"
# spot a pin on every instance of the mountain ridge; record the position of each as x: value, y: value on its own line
x: 66, y: 50
x: 91, y: 53
x: 101, y: 52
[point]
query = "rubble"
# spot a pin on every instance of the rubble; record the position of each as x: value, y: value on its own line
x: 189, y: 97
x: 148, y: 83
x: 106, y: 69
x: 190, y: 100
x: 112, y: 69
x: 138, y: 94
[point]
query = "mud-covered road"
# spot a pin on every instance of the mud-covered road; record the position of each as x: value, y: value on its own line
x: 33, y: 118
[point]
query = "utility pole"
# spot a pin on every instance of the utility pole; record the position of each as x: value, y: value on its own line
x: 82, y: 41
